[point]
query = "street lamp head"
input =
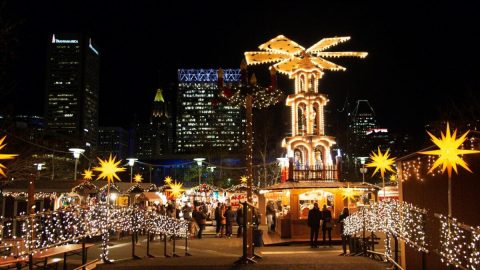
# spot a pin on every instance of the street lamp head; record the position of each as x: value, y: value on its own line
x: 76, y: 152
x: 199, y: 161
x: 211, y: 168
x: 131, y: 161
x: 39, y: 166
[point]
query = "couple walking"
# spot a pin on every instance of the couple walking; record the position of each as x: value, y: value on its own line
x: 314, y: 218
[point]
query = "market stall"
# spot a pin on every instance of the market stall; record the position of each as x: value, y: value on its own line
x: 238, y: 194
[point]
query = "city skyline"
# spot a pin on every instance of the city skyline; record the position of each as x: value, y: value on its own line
x: 403, y: 72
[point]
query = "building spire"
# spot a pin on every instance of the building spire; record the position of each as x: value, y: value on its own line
x: 159, y: 96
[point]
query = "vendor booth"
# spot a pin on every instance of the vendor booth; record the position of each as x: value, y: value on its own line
x: 293, y: 200
x: 238, y: 194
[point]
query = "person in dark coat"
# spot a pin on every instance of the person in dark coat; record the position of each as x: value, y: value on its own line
x: 218, y: 219
x: 201, y: 220
x: 345, y: 238
x: 240, y: 220
x: 314, y: 217
x: 230, y: 218
x: 327, y: 224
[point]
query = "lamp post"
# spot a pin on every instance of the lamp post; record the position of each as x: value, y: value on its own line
x: 131, y: 162
x: 363, y: 170
x: 211, y: 169
x: 199, y: 163
x: 76, y: 154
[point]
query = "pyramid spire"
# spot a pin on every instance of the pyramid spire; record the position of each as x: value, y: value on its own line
x: 159, y: 96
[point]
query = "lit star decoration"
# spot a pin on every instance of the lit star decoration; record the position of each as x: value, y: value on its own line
x: 4, y: 156
x: 168, y: 180
x: 348, y: 193
x: 176, y: 189
x: 448, y: 152
x: 381, y: 162
x: 138, y: 178
x: 87, y: 175
x: 108, y: 169
x: 243, y: 179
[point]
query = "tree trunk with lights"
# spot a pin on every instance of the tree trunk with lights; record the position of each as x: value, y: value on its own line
x: 249, y: 161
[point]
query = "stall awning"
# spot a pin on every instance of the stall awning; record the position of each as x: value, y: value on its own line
x: 149, y: 196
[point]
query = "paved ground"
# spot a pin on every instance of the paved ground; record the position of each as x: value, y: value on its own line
x: 221, y: 253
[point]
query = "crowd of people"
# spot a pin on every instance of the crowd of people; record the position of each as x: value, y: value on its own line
x: 221, y: 215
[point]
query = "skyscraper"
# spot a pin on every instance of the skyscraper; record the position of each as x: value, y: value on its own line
x: 202, y: 125
x: 72, y: 87
x: 112, y: 140
x: 153, y: 139
x: 361, y: 120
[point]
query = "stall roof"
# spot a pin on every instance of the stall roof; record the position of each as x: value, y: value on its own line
x: 125, y: 187
x: 150, y: 196
x: 318, y: 184
x: 42, y: 185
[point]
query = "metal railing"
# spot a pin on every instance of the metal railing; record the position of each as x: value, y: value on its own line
x: 315, y: 173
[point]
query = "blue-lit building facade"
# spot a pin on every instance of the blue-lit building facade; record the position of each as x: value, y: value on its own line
x: 72, y: 87
x: 202, y: 124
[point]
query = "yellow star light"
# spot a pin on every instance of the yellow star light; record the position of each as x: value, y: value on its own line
x: 4, y: 156
x: 243, y: 179
x: 168, y: 180
x: 138, y: 178
x: 393, y: 177
x: 381, y: 162
x: 348, y: 193
x: 87, y: 175
x: 448, y: 152
x: 109, y: 169
x: 176, y: 189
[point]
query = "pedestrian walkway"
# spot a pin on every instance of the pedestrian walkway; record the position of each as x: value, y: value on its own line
x: 221, y: 253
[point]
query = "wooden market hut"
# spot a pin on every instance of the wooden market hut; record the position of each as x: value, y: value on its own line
x: 295, y: 198
x: 238, y: 193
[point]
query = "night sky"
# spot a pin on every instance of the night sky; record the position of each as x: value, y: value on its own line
x: 420, y: 55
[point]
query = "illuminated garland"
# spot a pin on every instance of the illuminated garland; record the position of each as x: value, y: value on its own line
x: 399, y: 219
x: 459, y: 246
x: 52, y: 228
x: 262, y: 97
x: 38, y: 195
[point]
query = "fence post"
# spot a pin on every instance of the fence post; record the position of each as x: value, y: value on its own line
x: 396, y: 251
x: 186, y: 244
x: 165, y: 246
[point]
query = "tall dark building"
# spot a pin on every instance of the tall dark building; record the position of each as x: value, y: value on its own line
x: 72, y: 87
x: 202, y: 125
x: 154, y: 139
x: 361, y: 120
x: 161, y: 125
x: 112, y: 140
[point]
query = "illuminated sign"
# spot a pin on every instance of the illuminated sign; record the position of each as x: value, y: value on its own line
x: 377, y: 130
x: 68, y: 41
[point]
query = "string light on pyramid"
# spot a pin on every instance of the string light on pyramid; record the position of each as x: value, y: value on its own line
x: 4, y: 156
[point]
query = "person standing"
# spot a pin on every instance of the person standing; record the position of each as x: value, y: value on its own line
x: 223, y: 220
x: 327, y: 224
x: 270, y: 212
x: 345, y: 238
x: 218, y: 220
x: 201, y: 219
x: 230, y: 218
x: 314, y: 217
x: 240, y: 220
